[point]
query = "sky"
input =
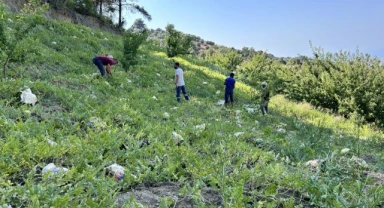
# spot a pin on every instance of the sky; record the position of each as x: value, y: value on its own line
x: 281, y: 27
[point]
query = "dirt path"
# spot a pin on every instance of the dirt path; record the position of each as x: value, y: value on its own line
x: 151, y: 196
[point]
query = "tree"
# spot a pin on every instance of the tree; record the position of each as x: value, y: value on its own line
x: 210, y: 43
x: 120, y: 5
x: 103, y: 3
x: 102, y: 8
x: 177, y: 43
x: 226, y: 58
x: 86, y: 7
x: 257, y: 69
x: 132, y: 40
x: 138, y: 25
x: 247, y: 53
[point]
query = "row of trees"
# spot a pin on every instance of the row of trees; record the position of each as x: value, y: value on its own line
x: 349, y: 84
x: 102, y: 8
x: 206, y: 49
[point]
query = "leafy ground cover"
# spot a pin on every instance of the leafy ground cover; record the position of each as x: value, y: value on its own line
x: 229, y: 157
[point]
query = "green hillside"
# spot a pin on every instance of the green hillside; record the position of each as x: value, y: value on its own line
x: 230, y: 157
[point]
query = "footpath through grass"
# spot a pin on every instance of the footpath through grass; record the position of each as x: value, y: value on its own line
x: 129, y: 119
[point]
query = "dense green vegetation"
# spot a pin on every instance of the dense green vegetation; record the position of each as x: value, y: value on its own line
x: 133, y: 38
x: 176, y: 42
x: 251, y: 160
x: 345, y: 83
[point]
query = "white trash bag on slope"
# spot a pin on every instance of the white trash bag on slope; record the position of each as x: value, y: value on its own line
x: 221, y: 102
x: 28, y: 97
x: 177, y: 138
x: 200, y: 128
x: 52, y: 168
x: 117, y: 171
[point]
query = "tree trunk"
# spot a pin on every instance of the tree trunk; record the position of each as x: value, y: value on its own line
x: 120, y: 11
x: 65, y: 2
x: 100, y: 7
x: 54, y: 3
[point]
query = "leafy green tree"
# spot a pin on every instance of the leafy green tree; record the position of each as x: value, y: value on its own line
x: 346, y: 83
x: 226, y: 58
x: 177, y: 42
x: 257, y: 70
x: 13, y: 46
x: 247, y: 53
x: 132, y: 39
x: 138, y: 25
x: 103, y: 3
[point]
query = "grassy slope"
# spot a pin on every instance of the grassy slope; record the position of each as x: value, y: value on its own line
x: 245, y: 170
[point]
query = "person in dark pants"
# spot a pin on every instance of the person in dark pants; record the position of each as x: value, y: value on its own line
x: 264, y: 98
x: 229, y: 87
x: 180, y: 84
x: 101, y: 61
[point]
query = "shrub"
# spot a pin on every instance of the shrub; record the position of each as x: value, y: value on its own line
x: 132, y: 40
x: 346, y: 83
x: 226, y: 58
x: 210, y: 43
x: 177, y: 43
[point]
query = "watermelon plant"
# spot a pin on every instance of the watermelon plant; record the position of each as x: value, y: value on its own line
x: 227, y: 157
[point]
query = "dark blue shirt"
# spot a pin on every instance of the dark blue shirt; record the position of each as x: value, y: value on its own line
x: 229, y: 84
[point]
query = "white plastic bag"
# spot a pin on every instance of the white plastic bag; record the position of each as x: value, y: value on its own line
x: 52, y: 168
x: 221, y: 102
x: 117, y: 171
x: 237, y: 134
x: 177, y: 139
x: 50, y: 142
x: 200, y: 128
x: 28, y: 97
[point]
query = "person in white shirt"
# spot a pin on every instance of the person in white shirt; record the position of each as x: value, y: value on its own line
x: 180, y: 84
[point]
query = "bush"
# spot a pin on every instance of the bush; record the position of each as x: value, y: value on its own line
x: 132, y: 40
x: 210, y: 43
x: 346, y: 83
x: 177, y: 43
x: 226, y: 58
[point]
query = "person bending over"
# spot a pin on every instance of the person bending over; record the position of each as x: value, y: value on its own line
x: 101, y: 61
